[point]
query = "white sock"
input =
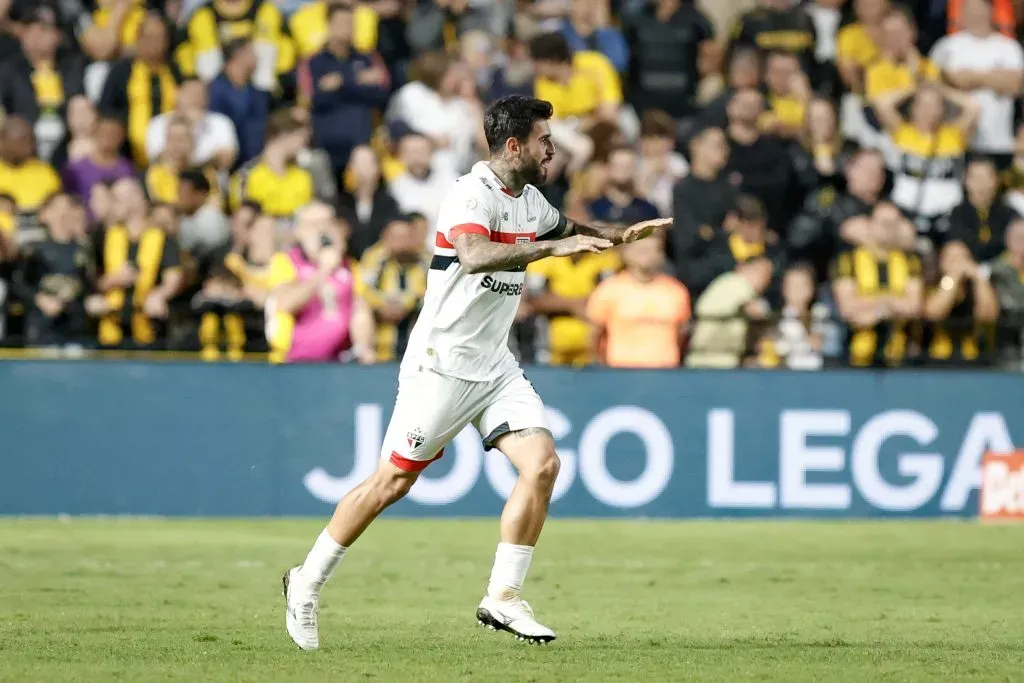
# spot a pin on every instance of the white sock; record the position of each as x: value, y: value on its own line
x: 325, y: 555
x: 511, y: 562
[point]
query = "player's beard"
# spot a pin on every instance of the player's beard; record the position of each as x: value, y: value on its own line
x: 531, y: 172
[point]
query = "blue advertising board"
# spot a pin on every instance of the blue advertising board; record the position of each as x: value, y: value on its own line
x: 86, y: 437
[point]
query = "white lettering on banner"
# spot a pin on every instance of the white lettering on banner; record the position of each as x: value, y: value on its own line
x: 723, y: 489
x: 368, y: 438
x: 502, y: 475
x: 796, y: 459
x: 594, y: 466
x: 987, y: 432
x: 924, y: 468
x: 467, y: 452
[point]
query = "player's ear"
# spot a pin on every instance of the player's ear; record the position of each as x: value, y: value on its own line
x: 512, y: 147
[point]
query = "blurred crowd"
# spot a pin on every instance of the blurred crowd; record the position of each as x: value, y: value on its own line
x: 260, y: 178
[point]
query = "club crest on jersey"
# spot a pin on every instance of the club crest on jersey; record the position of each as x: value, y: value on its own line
x: 415, y: 438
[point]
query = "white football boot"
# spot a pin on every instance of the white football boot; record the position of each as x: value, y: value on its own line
x: 514, y: 616
x: 301, y: 603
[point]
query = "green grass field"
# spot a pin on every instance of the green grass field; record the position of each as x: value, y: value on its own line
x: 199, y: 600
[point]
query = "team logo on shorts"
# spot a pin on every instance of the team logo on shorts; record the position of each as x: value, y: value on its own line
x: 415, y: 438
x: 522, y: 240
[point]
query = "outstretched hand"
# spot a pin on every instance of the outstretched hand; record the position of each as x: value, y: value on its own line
x: 580, y: 244
x: 643, y: 229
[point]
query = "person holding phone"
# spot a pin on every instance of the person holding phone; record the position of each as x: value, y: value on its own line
x: 314, y: 311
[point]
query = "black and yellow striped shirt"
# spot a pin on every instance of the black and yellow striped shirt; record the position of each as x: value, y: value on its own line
x: 886, y: 275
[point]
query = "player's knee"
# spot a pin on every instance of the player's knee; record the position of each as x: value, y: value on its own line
x: 543, y: 470
x: 392, y: 485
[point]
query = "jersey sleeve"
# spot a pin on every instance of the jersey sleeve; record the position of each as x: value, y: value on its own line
x: 551, y: 224
x: 466, y: 210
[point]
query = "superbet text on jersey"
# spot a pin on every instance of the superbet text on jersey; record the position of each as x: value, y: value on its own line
x: 462, y: 330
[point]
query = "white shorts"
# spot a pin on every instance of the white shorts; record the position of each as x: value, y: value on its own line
x: 431, y: 409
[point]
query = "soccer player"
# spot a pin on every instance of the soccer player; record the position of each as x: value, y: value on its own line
x: 458, y: 370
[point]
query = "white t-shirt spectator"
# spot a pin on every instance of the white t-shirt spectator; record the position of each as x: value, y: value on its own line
x: 215, y: 133
x: 422, y: 195
x: 427, y: 113
x: 964, y: 51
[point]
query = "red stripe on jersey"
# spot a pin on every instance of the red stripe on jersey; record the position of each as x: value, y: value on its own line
x: 463, y: 228
x: 511, y: 237
x: 442, y: 241
x: 408, y: 465
x: 508, y: 191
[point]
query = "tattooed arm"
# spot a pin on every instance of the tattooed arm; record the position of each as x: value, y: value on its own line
x: 616, y: 233
x: 478, y: 254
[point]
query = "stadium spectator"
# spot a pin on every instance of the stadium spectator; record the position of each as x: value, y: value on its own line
x: 315, y: 312
x: 669, y: 42
x: 981, y: 220
x: 761, y: 162
x: 899, y: 65
x: 733, y: 300
x: 990, y: 66
x: 1008, y: 279
x: 82, y: 120
x: 112, y: 30
x: 366, y: 205
x: 202, y: 229
x: 823, y: 228
x: 440, y: 104
x: 640, y: 315
x: 926, y: 155
x: 234, y: 293
x: 139, y: 271
x: 53, y: 281
x: 557, y: 294
x: 660, y: 166
x: 37, y: 82
x: 142, y: 86
x: 214, y: 139
x: 274, y: 181
x: 796, y: 341
x: 827, y: 16
x: 393, y: 276
x: 309, y: 25
x: 24, y: 177
x: 233, y: 95
x: 779, y: 25
x: 211, y: 27
x: 421, y: 187
x: 858, y: 44
x: 789, y: 93
x: 348, y: 88
x: 587, y: 28
x: 822, y: 152
x: 743, y: 72
x: 103, y: 164
x: 701, y: 202
x: 163, y: 174
x: 436, y: 25
x: 583, y: 89
x: 878, y: 290
x: 960, y: 309
x: 620, y: 202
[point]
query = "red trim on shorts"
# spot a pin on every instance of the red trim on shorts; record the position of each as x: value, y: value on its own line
x: 463, y: 228
x: 412, y: 465
x: 511, y: 237
x: 442, y: 241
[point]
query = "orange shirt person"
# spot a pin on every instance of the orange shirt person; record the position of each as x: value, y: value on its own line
x: 639, y: 314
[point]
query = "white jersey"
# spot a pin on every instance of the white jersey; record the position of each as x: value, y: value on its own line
x: 462, y: 330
